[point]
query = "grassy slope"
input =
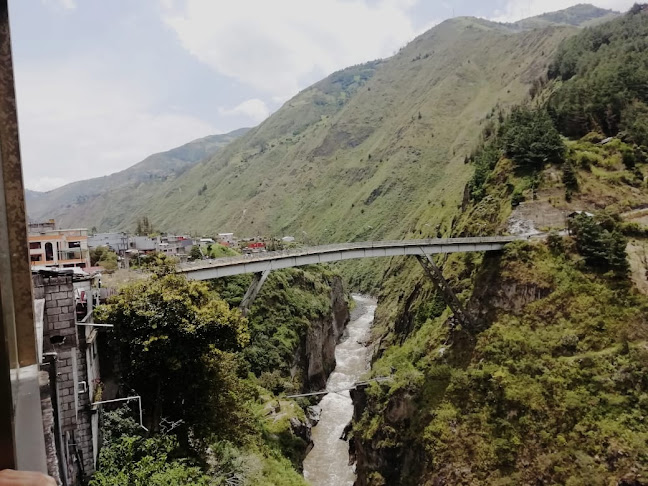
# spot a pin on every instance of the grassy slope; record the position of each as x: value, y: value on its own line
x: 578, y: 15
x: 106, y: 201
x: 554, y: 392
x: 360, y: 163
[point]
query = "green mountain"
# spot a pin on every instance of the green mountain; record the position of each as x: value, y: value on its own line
x: 365, y: 153
x: 104, y: 202
x: 368, y: 150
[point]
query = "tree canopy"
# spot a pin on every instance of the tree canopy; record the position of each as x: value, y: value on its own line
x: 172, y: 337
x: 604, y: 73
x: 530, y: 139
x: 103, y: 257
x: 598, y: 241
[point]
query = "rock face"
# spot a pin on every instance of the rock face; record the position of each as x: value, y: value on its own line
x: 395, y: 464
x: 389, y: 455
x: 316, y: 355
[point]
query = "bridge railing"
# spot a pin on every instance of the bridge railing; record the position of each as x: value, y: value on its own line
x: 314, y: 250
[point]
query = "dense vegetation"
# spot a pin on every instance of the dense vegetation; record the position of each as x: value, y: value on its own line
x: 604, y: 73
x: 210, y: 379
x: 547, y: 385
x: 548, y: 393
x: 290, y: 302
x: 167, y: 329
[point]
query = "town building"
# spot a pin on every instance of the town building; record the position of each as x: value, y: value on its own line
x: 117, y: 242
x: 226, y: 239
x: 62, y: 248
x: 177, y: 246
x: 205, y: 242
x: 144, y: 244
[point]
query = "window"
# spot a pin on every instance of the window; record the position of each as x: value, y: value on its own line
x: 34, y: 245
x: 49, y: 252
x: 36, y: 258
x: 74, y: 244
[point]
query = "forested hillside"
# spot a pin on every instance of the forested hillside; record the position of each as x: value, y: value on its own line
x: 546, y: 384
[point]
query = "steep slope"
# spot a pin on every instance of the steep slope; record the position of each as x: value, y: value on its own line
x: 546, y: 384
x: 365, y: 152
x: 581, y: 15
x: 103, y: 202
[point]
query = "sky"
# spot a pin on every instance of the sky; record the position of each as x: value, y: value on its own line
x: 101, y: 85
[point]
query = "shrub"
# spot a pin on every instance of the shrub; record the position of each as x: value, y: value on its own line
x: 569, y: 176
x: 517, y: 198
x: 628, y: 157
x: 603, y: 249
x: 555, y: 242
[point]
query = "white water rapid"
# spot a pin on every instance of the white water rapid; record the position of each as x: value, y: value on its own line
x: 327, y: 464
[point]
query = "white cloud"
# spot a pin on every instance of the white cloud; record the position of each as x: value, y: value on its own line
x: 76, y: 123
x: 65, y: 4
x: 515, y: 10
x: 47, y: 183
x: 278, y: 47
x: 254, y: 109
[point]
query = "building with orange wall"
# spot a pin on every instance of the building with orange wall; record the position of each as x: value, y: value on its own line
x: 62, y: 248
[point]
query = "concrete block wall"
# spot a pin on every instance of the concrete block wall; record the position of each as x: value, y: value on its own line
x: 49, y: 426
x: 66, y: 365
x: 74, y: 409
x: 59, y: 312
x: 84, y: 419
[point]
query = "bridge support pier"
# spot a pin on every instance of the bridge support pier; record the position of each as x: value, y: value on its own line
x: 434, y: 273
x: 257, y: 282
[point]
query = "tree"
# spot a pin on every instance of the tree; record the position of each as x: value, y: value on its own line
x: 570, y: 180
x: 172, y: 337
x: 195, y: 253
x: 103, y: 257
x: 159, y: 263
x: 530, y: 139
x: 135, y: 460
x: 144, y: 226
x: 569, y: 176
x: 603, y: 248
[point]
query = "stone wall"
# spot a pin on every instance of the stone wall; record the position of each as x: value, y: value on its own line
x: 72, y: 409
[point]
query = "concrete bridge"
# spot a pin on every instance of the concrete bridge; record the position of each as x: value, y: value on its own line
x: 260, y: 264
x: 274, y: 260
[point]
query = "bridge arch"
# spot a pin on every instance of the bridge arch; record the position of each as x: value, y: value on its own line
x: 261, y: 264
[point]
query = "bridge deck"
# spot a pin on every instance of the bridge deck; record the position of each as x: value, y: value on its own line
x: 272, y: 260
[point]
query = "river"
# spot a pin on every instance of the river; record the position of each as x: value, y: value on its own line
x: 327, y: 464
